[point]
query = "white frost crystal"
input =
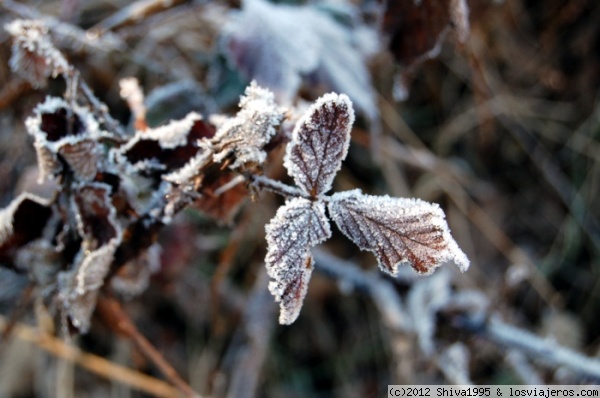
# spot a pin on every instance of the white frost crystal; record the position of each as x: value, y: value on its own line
x: 320, y: 143
x: 397, y: 230
x: 245, y: 135
x: 297, y: 226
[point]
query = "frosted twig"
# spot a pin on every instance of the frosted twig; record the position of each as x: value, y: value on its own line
x: 382, y: 292
x: 133, y: 94
x: 229, y: 185
x: 276, y: 187
x: 454, y: 364
x: 544, y: 350
x: 101, y: 108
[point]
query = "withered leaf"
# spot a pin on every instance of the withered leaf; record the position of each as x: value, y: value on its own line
x: 96, y: 219
x: 297, y: 226
x: 397, y: 230
x: 167, y: 147
x: 69, y: 131
x: 221, y: 206
x: 21, y: 222
x: 319, y: 143
x: 244, y: 136
x: 34, y: 57
x: 101, y: 233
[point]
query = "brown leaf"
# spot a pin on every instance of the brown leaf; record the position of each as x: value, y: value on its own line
x: 22, y: 222
x: 72, y: 133
x: 397, y: 230
x: 319, y: 143
x: 297, y: 226
x: 167, y: 147
x: 97, y: 225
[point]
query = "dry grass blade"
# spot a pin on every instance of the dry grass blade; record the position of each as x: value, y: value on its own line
x: 114, y: 315
x: 92, y: 363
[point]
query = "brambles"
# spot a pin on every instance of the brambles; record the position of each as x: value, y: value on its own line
x: 114, y: 189
x: 396, y: 230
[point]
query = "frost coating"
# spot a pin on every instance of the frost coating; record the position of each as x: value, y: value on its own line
x: 397, y: 230
x: 25, y: 203
x: 97, y: 225
x: 69, y: 131
x: 245, y: 135
x: 297, y: 226
x: 171, y: 135
x: 320, y: 143
x: 34, y: 57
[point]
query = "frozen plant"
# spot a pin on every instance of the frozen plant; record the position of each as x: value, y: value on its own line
x: 396, y: 230
x: 116, y: 191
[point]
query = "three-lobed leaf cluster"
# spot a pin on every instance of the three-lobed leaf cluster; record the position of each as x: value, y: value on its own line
x: 396, y: 230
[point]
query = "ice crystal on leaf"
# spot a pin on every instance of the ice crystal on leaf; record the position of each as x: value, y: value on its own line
x: 22, y: 221
x: 168, y: 147
x: 69, y: 131
x: 279, y: 45
x: 244, y: 136
x: 34, y: 57
x: 297, y: 226
x: 97, y: 225
x: 397, y: 230
x: 320, y: 143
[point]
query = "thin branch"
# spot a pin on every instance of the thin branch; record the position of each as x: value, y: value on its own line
x: 277, y: 187
x: 544, y: 350
x: 383, y: 293
x: 113, y: 314
x: 91, y: 362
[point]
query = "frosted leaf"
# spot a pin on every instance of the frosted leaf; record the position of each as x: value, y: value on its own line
x: 95, y: 214
x: 34, y: 57
x: 397, y: 230
x: 97, y: 225
x: 79, y: 288
x: 297, y: 226
x: 319, y: 143
x: 280, y: 45
x: 22, y: 221
x: 69, y: 131
x: 245, y: 135
x: 271, y: 44
x: 167, y: 147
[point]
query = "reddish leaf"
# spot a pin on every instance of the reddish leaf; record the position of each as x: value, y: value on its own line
x: 297, y: 226
x: 22, y: 222
x: 320, y: 143
x: 72, y: 133
x: 167, y: 147
x: 397, y: 230
x: 101, y: 235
